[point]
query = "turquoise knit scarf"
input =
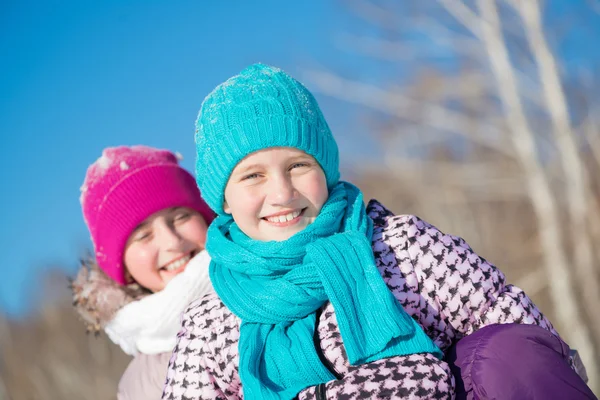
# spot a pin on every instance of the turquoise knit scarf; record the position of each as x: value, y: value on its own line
x: 275, y: 288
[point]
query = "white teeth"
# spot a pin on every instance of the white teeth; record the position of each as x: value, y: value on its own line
x: 178, y: 263
x: 284, y: 218
x: 291, y: 216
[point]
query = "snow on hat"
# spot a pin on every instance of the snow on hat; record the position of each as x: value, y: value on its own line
x: 125, y: 186
x: 262, y: 107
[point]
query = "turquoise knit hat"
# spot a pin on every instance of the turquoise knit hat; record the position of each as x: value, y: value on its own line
x: 261, y: 107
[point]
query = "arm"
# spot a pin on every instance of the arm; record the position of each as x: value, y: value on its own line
x: 144, y: 377
x: 193, y: 371
x: 467, y: 291
x: 416, y: 376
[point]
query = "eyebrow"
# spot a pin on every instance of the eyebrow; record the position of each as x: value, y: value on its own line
x: 146, y: 223
x: 249, y: 167
x: 300, y: 157
x: 140, y: 226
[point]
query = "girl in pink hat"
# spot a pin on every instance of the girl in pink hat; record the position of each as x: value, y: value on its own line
x: 148, y: 225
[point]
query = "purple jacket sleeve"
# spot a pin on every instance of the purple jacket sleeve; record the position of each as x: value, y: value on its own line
x: 533, y: 364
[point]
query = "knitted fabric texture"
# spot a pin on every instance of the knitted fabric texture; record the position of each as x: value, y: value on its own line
x: 275, y: 288
x: 262, y: 107
x: 125, y: 186
x: 150, y: 325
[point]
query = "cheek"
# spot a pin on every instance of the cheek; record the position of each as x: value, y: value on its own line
x: 137, y: 258
x: 244, y: 203
x: 316, y: 190
x: 195, y: 230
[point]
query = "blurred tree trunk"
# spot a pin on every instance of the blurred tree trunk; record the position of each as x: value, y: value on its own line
x: 49, y: 356
x: 507, y: 110
x: 576, y: 175
x: 556, y: 262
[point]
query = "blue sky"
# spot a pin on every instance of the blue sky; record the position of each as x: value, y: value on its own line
x: 77, y: 76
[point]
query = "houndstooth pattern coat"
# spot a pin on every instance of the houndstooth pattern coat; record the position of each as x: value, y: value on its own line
x: 439, y: 280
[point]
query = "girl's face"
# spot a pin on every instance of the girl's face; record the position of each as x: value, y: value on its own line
x: 161, y: 246
x: 274, y: 193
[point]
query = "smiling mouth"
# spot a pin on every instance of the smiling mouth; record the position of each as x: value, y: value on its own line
x: 285, y: 219
x: 180, y: 262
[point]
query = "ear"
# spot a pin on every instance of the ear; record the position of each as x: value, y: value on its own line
x: 226, y: 207
x: 128, y: 277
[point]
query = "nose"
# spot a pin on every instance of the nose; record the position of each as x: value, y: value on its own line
x: 282, y: 191
x: 168, y: 236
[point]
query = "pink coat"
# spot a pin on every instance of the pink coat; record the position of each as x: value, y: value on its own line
x: 439, y: 280
x: 97, y: 298
x: 144, y: 377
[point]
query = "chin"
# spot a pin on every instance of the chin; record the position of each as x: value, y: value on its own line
x: 285, y: 236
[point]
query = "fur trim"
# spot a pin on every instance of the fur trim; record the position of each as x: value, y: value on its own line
x: 97, y: 298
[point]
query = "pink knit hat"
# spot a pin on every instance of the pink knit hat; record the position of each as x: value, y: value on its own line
x: 123, y: 188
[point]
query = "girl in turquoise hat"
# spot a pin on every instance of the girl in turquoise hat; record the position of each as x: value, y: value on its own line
x: 318, y: 296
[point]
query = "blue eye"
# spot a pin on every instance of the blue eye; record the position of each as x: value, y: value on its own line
x: 251, y: 176
x: 299, y: 165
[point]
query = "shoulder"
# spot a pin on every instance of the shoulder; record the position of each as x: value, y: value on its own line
x: 413, y: 240
x: 144, y: 377
x: 403, y: 227
x: 97, y: 298
x: 206, y: 314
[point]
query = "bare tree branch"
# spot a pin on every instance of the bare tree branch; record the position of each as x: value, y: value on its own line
x: 526, y: 124
x: 576, y: 176
x: 592, y: 135
x: 374, y: 14
x: 534, y: 282
x: 594, y: 5
x: 376, y: 47
x: 440, y: 34
x: 400, y: 106
x: 556, y: 263
x: 464, y: 15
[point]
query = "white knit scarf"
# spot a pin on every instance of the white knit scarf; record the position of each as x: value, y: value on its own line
x: 150, y: 325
